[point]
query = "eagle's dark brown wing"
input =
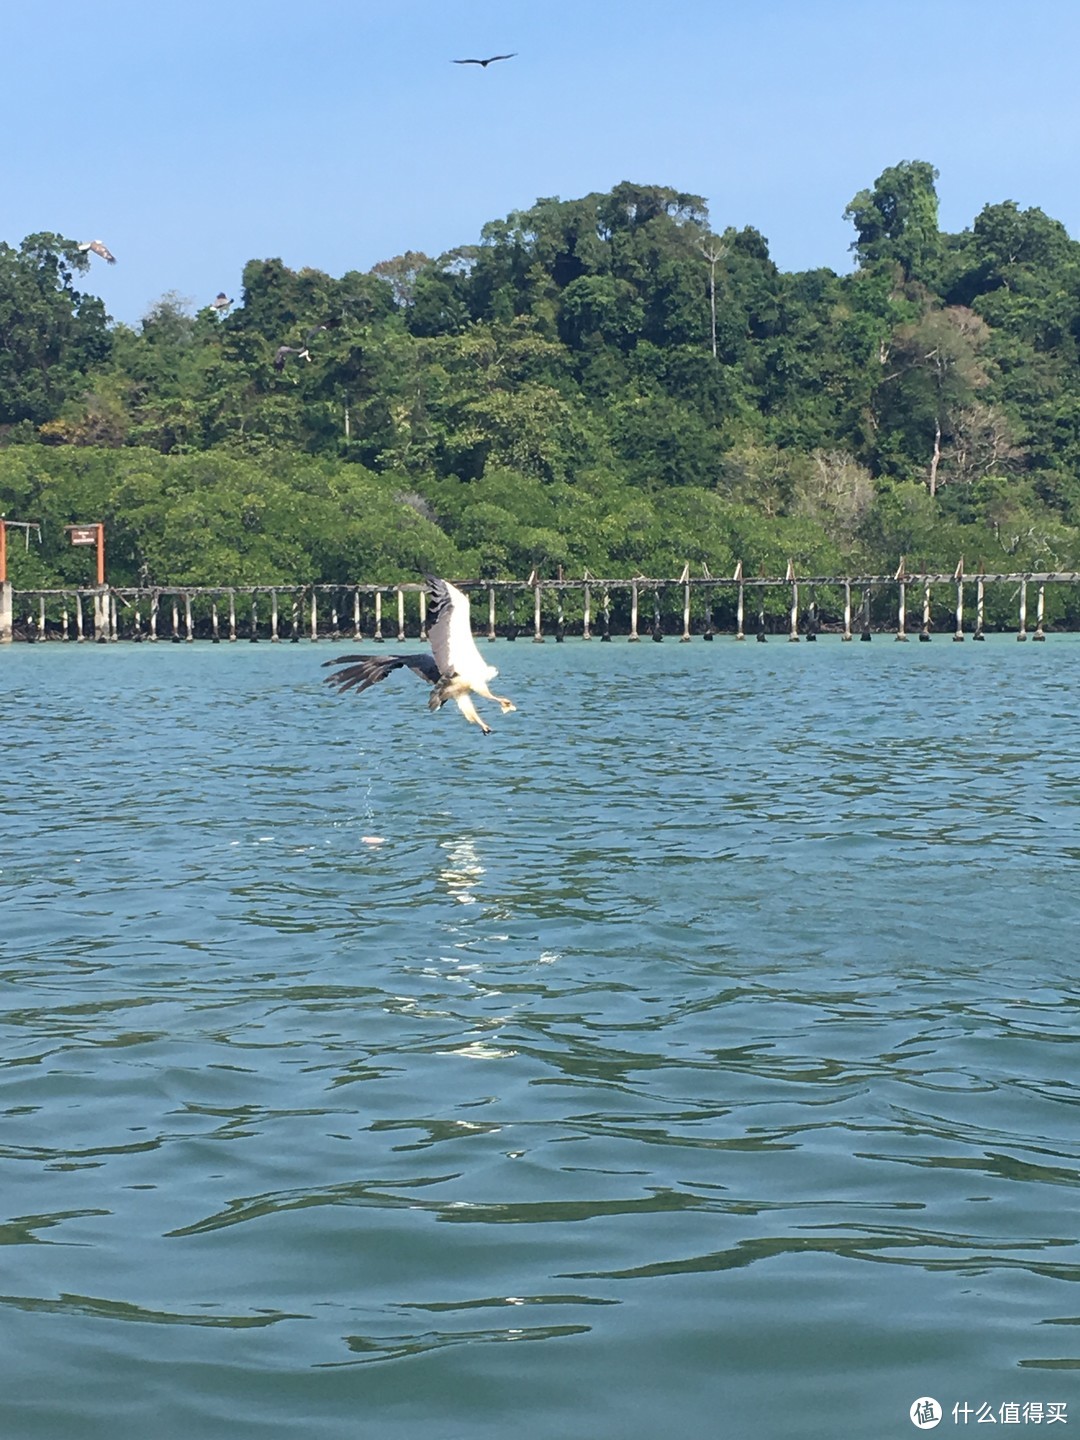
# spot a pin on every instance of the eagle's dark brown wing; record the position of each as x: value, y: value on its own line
x: 360, y: 672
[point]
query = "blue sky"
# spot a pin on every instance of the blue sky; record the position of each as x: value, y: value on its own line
x: 335, y: 133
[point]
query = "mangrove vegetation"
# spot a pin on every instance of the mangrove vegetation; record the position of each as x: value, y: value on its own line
x: 606, y: 383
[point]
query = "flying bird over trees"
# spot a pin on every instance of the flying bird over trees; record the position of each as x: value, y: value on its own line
x: 331, y: 324
x: 283, y: 350
x: 99, y: 248
x: 489, y: 61
x: 455, y: 668
x: 221, y: 303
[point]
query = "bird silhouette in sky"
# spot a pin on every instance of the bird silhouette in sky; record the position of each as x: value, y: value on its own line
x: 99, y: 248
x: 221, y: 303
x: 489, y: 61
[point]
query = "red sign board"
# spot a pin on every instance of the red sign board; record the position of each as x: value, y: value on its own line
x: 84, y: 534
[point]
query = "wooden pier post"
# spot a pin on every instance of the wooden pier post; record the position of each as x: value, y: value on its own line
x: 560, y: 618
x: 709, y: 631
x: 685, y: 636
x: 864, y: 632
x: 189, y: 628
x: 901, y: 620
x: 491, y: 635
x: 41, y: 619
x: 114, y: 628
x: 740, y: 611
x: 633, y: 637
x: 274, y: 636
x: 253, y: 638
x: 847, y: 611
x: 314, y: 615
x: 606, y: 633
x: 1022, y: 634
x: 980, y: 587
x: 538, y: 633
x: 175, y: 637
x: 335, y: 630
x: 7, y: 612
x: 232, y: 616
x: 793, y: 630
x: 761, y: 636
x: 357, y: 632
x: 101, y: 616
x: 378, y: 636
x: 958, y: 634
x: 423, y: 614
x: 79, y: 635
x: 66, y: 621
x: 154, y: 602
x: 215, y: 628
x: 511, y: 628
x: 294, y: 630
x: 657, y: 628
x: 924, y: 633
x: 1040, y: 604
x: 586, y: 633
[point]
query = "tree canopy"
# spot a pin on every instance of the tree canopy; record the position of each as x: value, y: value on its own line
x: 605, y: 382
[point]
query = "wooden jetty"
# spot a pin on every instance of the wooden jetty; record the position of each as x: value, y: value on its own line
x: 655, y: 607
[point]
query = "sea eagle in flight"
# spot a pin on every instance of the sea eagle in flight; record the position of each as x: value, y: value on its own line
x: 221, y: 303
x: 99, y: 248
x: 489, y: 61
x: 284, y: 350
x: 455, y: 667
x: 331, y: 324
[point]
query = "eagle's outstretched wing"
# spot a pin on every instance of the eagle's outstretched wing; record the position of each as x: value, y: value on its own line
x: 362, y: 671
x: 450, y: 633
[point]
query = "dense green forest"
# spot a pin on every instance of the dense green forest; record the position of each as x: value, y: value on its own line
x: 602, y: 383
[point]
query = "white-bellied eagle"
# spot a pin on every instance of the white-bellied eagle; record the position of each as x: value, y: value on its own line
x: 455, y: 667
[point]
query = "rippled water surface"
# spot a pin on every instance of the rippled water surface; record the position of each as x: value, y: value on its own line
x: 696, y: 1054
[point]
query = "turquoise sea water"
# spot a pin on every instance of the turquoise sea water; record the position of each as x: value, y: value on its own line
x: 695, y: 1055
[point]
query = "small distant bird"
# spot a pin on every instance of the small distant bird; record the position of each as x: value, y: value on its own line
x: 455, y: 667
x: 99, y: 248
x: 222, y: 302
x: 489, y: 61
x: 301, y: 350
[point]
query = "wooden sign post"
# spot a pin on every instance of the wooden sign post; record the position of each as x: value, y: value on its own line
x: 91, y: 535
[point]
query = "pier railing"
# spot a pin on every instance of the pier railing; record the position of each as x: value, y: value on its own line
x: 681, y: 606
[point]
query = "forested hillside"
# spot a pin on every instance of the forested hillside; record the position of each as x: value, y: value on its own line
x: 603, y: 382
